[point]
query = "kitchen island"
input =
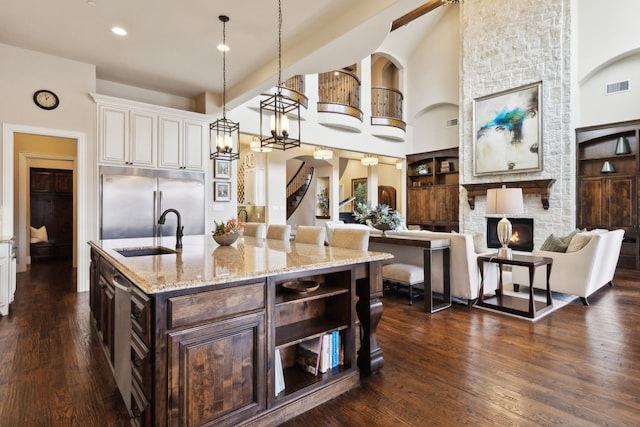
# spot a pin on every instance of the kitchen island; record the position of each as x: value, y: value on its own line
x: 206, y: 336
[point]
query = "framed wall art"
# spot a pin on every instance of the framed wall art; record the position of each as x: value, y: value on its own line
x: 359, y: 190
x: 221, y: 191
x: 507, y: 131
x: 222, y: 169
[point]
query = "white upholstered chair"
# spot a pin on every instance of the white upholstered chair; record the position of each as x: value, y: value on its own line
x: 351, y: 238
x: 310, y: 234
x: 278, y: 232
x: 254, y: 229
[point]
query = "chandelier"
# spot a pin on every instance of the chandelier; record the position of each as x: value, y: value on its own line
x: 274, y: 109
x: 224, y: 132
x: 256, y: 145
x: 322, y: 153
x: 369, y: 160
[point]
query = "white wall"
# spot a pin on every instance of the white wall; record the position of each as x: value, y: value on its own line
x: 24, y: 72
x: 607, y: 31
x: 596, y: 107
x: 432, y: 69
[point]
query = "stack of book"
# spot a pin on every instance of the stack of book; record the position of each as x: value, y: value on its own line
x: 445, y: 166
x: 279, y: 373
x: 318, y: 355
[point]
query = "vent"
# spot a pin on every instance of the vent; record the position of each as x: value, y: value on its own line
x: 617, y: 87
x: 452, y: 122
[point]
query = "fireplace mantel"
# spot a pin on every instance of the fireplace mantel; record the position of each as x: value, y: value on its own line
x: 538, y: 186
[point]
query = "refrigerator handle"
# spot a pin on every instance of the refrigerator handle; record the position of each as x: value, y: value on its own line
x: 156, y: 214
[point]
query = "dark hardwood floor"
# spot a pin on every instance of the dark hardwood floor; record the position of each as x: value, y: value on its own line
x: 579, y: 366
x: 53, y: 371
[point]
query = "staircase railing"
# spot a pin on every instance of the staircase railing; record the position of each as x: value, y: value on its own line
x: 298, y: 186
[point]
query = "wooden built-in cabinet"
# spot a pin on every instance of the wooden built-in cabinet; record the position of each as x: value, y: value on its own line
x: 51, y: 205
x: 433, y: 190
x: 608, y: 198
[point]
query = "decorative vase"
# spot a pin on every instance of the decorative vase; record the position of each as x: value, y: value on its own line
x: 226, y: 239
x: 382, y: 227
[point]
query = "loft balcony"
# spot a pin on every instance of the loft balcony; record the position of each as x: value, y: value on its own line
x: 339, y: 100
x: 386, y: 113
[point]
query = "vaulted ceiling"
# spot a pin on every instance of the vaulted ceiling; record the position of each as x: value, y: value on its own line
x: 171, y: 45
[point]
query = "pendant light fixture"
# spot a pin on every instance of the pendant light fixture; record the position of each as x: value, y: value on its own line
x: 369, y: 160
x: 274, y: 110
x: 322, y: 153
x: 224, y: 132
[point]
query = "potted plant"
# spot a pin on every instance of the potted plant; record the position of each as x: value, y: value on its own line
x: 323, y: 202
x: 381, y: 217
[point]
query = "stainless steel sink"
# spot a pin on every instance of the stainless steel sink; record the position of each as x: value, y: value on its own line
x: 145, y: 251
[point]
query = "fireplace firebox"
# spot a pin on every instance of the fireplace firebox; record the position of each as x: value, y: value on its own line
x: 521, y: 238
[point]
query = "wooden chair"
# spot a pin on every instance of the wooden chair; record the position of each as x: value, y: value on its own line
x: 351, y: 238
x: 254, y: 229
x: 310, y: 234
x: 278, y: 232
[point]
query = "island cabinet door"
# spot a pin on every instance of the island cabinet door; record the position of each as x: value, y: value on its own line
x: 217, y: 372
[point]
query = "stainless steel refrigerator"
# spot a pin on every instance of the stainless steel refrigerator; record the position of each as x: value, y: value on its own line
x: 132, y: 200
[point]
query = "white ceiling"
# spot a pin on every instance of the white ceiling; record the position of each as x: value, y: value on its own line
x: 171, y: 45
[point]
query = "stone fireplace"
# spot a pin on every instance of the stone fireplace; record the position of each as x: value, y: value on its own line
x: 522, y: 236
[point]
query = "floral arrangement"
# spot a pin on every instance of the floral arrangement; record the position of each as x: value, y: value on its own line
x: 231, y: 226
x: 381, y: 217
x: 323, y: 201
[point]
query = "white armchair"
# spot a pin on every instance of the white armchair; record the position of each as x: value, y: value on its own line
x: 582, y: 272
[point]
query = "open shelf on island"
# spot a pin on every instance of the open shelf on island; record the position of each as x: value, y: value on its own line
x: 295, y: 378
x: 307, y: 329
x: 325, y: 290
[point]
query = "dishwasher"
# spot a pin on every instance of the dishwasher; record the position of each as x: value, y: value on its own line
x: 122, y: 338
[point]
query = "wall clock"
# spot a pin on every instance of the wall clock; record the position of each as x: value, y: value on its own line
x: 46, y: 99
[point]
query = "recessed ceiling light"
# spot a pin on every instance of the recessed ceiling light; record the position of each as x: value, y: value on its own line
x: 223, y: 48
x: 91, y: 3
x: 119, y: 31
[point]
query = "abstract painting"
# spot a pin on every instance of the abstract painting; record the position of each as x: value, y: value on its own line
x: 508, y: 131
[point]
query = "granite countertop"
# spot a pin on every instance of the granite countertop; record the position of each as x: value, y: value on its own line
x: 203, y: 262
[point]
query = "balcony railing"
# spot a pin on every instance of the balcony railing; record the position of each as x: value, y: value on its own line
x: 339, y: 92
x: 386, y: 107
x: 293, y: 88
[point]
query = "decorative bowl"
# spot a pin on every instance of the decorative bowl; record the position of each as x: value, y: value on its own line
x: 226, y: 239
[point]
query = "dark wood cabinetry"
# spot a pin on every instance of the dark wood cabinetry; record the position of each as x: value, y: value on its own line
x: 433, y: 190
x: 207, y: 356
x: 51, y: 201
x: 607, y: 183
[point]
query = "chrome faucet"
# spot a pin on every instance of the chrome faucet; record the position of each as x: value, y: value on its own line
x: 178, y: 230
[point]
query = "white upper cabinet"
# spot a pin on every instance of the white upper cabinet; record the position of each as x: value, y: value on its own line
x: 127, y: 137
x: 136, y: 134
x: 182, y: 143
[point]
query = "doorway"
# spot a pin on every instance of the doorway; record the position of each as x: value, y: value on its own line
x: 14, y: 186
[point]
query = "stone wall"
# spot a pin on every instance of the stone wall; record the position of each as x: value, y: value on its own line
x: 508, y: 44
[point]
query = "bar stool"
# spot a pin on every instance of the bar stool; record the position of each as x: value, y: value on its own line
x: 351, y: 238
x: 310, y: 234
x: 278, y: 232
x: 254, y: 229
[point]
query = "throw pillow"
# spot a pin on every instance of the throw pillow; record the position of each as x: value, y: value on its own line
x: 553, y: 244
x: 578, y: 242
x: 558, y: 244
x: 39, y: 234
